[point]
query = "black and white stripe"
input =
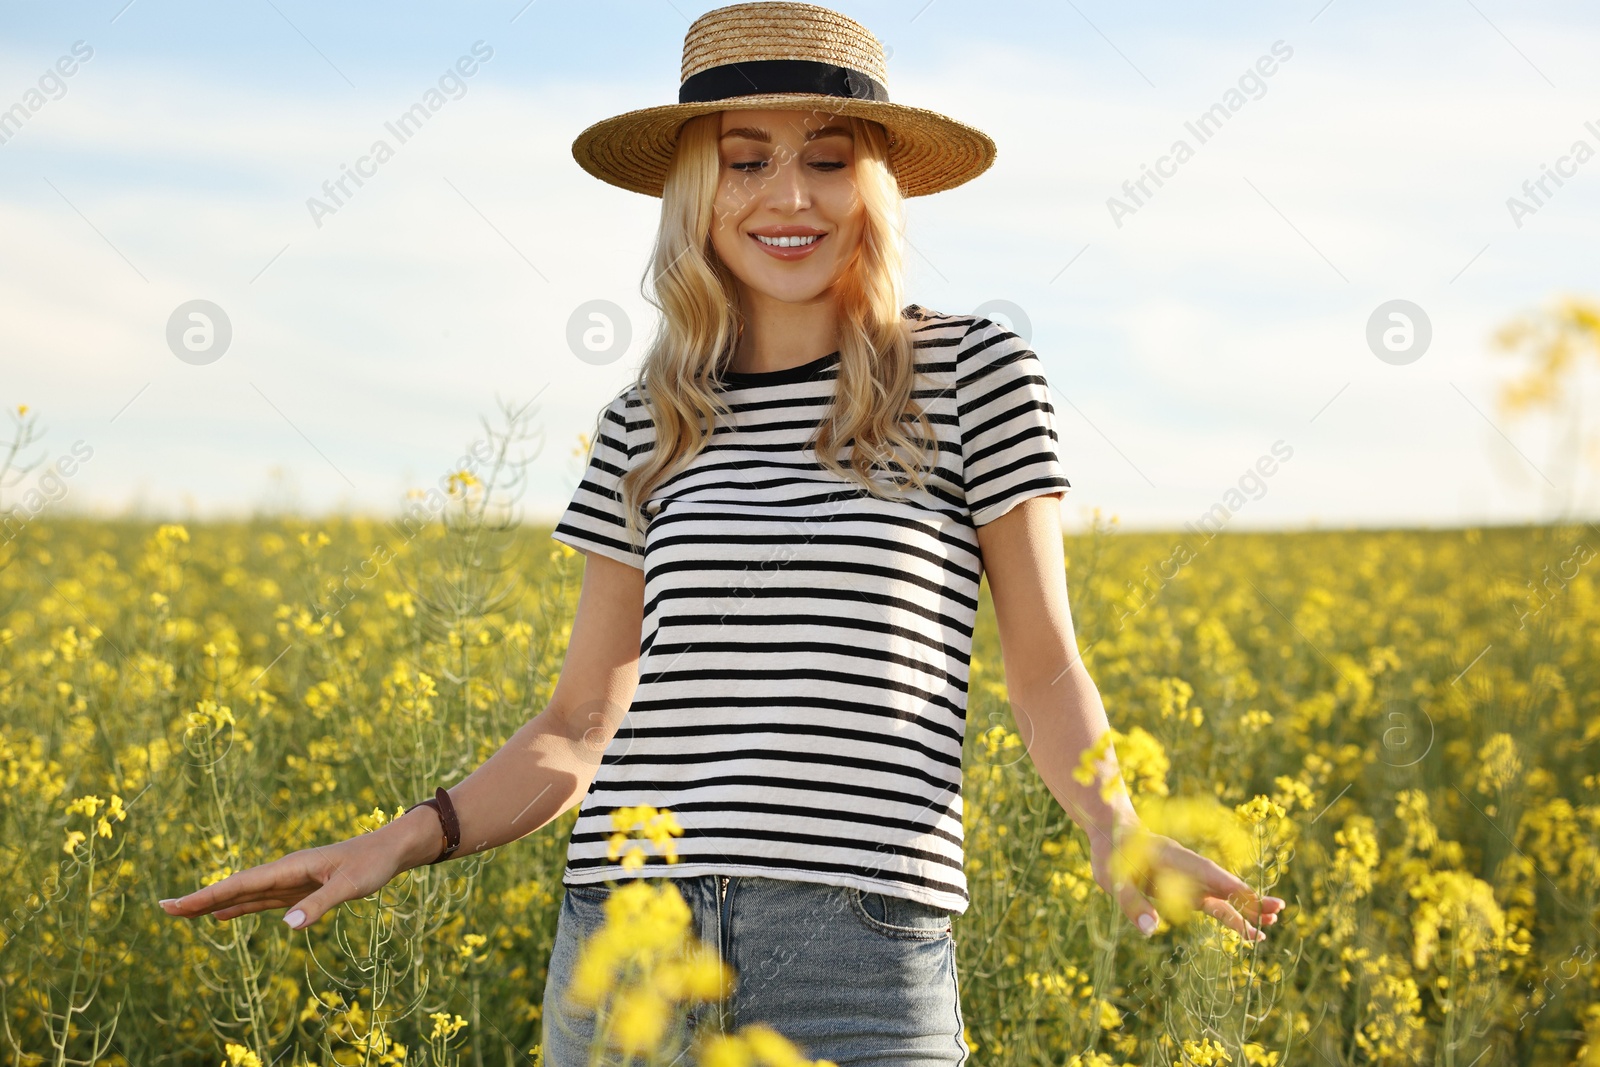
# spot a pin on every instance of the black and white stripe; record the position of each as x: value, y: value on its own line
x: 804, y: 656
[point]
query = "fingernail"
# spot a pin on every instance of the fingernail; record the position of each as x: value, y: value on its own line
x: 1147, y: 923
x: 295, y: 919
x: 169, y: 900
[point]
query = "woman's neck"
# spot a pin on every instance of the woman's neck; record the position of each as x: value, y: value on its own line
x: 779, y: 334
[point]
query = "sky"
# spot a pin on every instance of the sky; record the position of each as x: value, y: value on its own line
x: 1233, y: 311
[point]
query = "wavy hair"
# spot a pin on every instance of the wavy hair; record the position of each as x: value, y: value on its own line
x: 700, y: 323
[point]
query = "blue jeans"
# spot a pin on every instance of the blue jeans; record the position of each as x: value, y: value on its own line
x: 861, y: 978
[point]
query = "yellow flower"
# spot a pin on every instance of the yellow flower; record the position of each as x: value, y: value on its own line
x: 470, y: 944
x: 1394, y: 1027
x: 1205, y: 1053
x: 85, y: 806
x: 645, y: 924
x: 115, y: 811
x: 724, y: 1050
x: 997, y: 738
x: 1258, y: 1055
x: 1411, y: 808
x: 771, y: 1047
x: 1259, y: 809
x: 74, y: 839
x: 1133, y: 860
x: 1086, y: 772
x: 659, y: 826
x: 208, y: 713
x: 644, y: 962
x: 1462, y: 904
x: 1142, y: 763
x: 1174, y: 694
x: 1501, y: 764
x: 1055, y: 985
x: 756, y: 1043
x: 1293, y: 792
x: 444, y: 1027
x: 1356, y: 857
x: 1202, y: 824
x: 1091, y: 1059
x: 240, y: 1056
x: 699, y: 976
x: 641, y: 1019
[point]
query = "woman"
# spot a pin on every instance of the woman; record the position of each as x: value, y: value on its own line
x: 785, y: 603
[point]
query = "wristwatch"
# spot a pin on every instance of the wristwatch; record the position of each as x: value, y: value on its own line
x: 440, y: 802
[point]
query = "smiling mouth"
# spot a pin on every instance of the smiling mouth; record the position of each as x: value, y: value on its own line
x: 789, y: 242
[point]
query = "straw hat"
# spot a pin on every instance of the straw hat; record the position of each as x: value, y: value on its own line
x: 793, y: 57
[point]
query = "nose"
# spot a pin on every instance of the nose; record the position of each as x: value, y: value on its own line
x: 788, y: 189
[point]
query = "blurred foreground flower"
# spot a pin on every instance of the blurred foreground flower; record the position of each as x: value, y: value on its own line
x: 645, y: 966
x: 1199, y: 823
x: 752, y: 1045
x: 659, y: 826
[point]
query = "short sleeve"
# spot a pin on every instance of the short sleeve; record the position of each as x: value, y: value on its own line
x: 594, y: 520
x: 1010, y: 449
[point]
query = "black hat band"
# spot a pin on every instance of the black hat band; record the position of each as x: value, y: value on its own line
x: 756, y: 76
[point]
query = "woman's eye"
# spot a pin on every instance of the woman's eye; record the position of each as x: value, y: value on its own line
x: 756, y: 165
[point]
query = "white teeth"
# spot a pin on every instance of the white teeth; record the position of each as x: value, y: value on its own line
x: 787, y: 242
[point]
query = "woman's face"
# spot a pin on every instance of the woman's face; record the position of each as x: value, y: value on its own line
x: 786, y: 173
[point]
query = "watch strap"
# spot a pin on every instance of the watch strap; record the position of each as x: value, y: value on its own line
x: 448, y: 821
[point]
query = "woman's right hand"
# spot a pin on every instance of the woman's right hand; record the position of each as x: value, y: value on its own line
x: 312, y: 881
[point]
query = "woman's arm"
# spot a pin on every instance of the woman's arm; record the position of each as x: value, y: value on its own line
x: 543, y: 770
x: 548, y: 764
x: 1059, y: 712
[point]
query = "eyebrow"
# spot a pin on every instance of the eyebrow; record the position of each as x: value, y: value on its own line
x: 754, y: 133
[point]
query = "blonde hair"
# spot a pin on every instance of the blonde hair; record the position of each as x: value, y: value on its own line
x: 700, y: 322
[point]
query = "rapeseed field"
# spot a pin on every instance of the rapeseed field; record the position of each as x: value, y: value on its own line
x: 1397, y: 731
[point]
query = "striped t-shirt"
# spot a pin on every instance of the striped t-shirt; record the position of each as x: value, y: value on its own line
x: 803, y: 660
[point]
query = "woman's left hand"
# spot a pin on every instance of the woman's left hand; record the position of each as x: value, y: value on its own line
x: 1205, y: 886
